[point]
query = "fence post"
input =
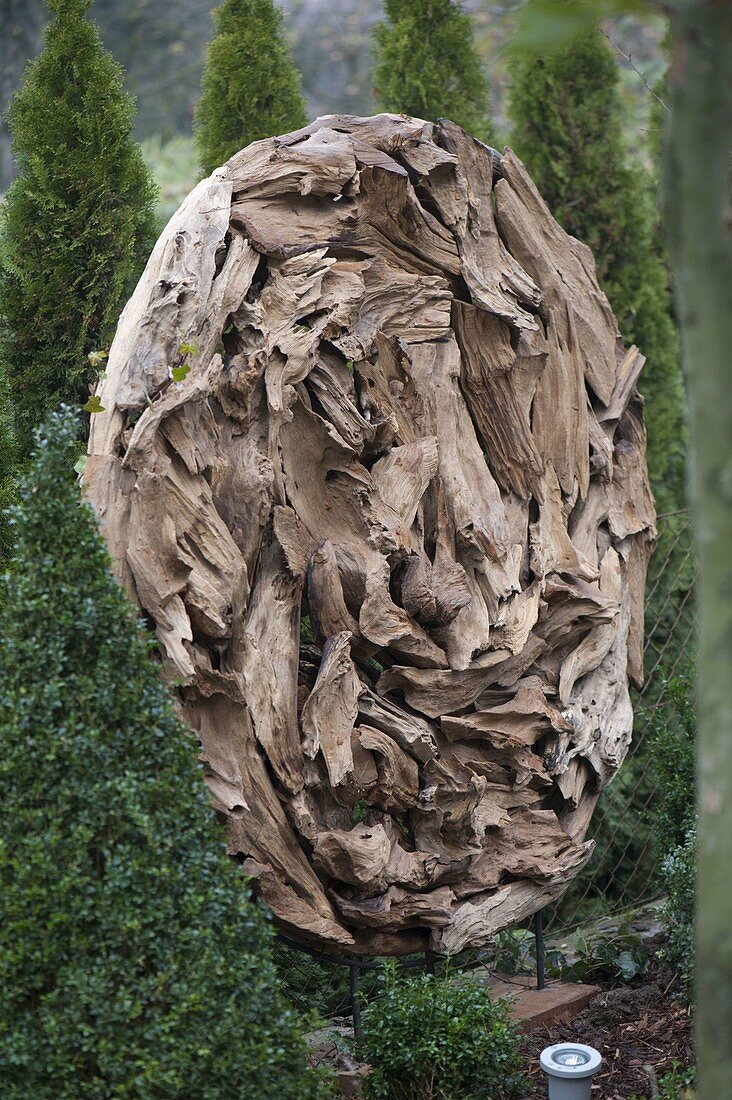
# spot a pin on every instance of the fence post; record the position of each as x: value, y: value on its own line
x: 540, y: 957
x: 355, y: 1002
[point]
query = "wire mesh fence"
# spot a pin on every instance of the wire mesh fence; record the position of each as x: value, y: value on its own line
x: 623, y: 871
x: 622, y: 874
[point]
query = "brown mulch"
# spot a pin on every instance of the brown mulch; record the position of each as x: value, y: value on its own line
x: 633, y: 1027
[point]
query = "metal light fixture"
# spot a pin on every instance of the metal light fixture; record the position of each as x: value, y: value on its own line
x: 570, y: 1068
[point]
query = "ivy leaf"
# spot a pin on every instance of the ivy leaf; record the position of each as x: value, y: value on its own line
x: 94, y: 405
x: 96, y: 358
x: 188, y: 348
x: 627, y: 966
x: 80, y: 465
x: 179, y: 373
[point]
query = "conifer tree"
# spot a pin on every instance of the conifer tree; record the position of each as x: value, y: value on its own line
x: 427, y: 64
x: 567, y: 127
x: 250, y: 88
x: 566, y: 112
x: 132, y: 961
x: 78, y: 222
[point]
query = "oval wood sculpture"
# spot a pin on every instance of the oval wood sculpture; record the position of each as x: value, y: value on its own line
x: 372, y: 461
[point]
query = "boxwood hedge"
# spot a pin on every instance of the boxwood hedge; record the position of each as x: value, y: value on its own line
x: 133, y: 962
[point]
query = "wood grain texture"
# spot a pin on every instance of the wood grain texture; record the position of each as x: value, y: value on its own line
x: 391, y: 525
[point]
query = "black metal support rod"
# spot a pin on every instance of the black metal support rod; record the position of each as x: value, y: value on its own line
x: 539, y: 935
x: 344, y: 960
x: 355, y: 1004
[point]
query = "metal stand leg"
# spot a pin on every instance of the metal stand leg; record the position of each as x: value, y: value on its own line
x: 355, y: 1004
x: 539, y: 934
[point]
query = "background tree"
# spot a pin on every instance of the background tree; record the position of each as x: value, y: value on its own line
x: 567, y: 119
x: 132, y: 960
x: 77, y: 224
x: 427, y: 64
x: 250, y: 88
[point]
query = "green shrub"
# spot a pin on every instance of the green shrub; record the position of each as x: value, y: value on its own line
x: 8, y: 464
x: 677, y: 911
x: 678, y: 1083
x: 430, y: 1038
x: 673, y: 764
x: 675, y: 824
x: 427, y: 64
x: 77, y: 224
x: 250, y: 88
x: 133, y: 962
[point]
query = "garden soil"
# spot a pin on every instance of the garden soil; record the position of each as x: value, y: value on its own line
x: 642, y: 1031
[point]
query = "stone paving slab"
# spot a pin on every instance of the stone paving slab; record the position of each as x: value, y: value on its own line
x: 558, y: 1002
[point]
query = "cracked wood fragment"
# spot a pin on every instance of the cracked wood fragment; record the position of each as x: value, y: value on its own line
x: 331, y: 708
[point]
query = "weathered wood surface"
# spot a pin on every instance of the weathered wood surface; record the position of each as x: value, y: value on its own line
x: 391, y: 527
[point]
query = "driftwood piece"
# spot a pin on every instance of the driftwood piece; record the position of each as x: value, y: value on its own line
x: 372, y: 461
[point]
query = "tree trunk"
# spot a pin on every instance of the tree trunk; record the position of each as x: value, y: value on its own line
x: 700, y: 225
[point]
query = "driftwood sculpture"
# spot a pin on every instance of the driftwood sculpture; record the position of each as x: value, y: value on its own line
x: 372, y: 462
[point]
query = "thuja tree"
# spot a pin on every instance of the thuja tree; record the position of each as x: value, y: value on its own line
x: 132, y: 961
x: 566, y: 112
x: 250, y: 88
x: 78, y: 222
x: 427, y: 64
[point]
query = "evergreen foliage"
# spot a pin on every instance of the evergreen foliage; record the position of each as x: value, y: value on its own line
x: 567, y: 118
x: 677, y: 913
x: 568, y: 128
x: 132, y: 961
x: 77, y: 223
x: 674, y: 767
x: 7, y: 473
x: 430, y: 1038
x: 673, y: 758
x: 250, y: 88
x: 427, y: 64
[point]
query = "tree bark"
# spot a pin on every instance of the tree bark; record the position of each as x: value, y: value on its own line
x: 700, y: 225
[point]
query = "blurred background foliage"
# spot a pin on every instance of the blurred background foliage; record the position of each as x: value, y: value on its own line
x: 161, y: 47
